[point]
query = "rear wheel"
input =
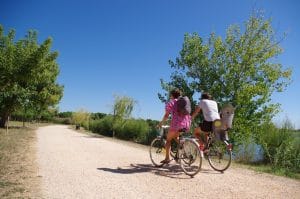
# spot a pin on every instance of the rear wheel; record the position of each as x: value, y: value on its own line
x: 219, y: 155
x: 190, y: 158
x: 157, y: 151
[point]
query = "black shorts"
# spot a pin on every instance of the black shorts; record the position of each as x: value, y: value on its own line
x: 206, y: 126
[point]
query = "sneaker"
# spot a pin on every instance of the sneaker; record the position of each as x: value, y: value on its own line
x: 165, y: 161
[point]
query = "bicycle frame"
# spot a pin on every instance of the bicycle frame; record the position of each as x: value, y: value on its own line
x: 186, y: 152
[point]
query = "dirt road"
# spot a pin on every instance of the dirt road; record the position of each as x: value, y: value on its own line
x: 74, y: 165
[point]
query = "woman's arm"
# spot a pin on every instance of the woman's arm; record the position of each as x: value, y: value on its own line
x: 165, y: 117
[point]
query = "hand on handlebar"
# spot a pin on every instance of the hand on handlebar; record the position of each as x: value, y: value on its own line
x: 159, y: 125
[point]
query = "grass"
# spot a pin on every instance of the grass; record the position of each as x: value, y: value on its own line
x: 18, y: 171
x: 265, y: 168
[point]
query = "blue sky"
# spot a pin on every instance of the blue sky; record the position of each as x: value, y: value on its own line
x: 123, y: 47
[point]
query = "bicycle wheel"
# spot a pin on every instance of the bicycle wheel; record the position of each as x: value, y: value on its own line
x: 219, y: 156
x: 173, y: 149
x: 190, y: 158
x: 157, y: 151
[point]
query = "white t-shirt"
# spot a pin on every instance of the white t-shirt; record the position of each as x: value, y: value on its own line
x: 209, y: 109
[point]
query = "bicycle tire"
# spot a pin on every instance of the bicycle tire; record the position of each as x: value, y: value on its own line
x: 173, y: 149
x: 190, y: 159
x: 157, y: 151
x: 219, y: 155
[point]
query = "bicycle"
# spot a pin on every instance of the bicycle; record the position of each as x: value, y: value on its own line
x: 186, y: 152
x: 217, y: 148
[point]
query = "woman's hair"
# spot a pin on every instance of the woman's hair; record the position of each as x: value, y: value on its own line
x: 175, y: 93
x: 206, y: 96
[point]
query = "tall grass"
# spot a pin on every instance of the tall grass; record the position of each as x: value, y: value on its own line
x: 281, y: 147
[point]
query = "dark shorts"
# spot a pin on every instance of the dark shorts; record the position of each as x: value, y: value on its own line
x: 206, y: 126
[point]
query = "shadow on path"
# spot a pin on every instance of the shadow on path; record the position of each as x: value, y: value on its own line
x: 93, y: 136
x: 170, y: 170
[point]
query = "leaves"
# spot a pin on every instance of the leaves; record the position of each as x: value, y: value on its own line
x: 28, y: 73
x: 239, y: 69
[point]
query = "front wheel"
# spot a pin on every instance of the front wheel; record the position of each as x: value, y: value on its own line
x: 190, y: 158
x: 157, y: 151
x: 219, y: 155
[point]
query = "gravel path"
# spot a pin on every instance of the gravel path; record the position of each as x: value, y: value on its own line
x: 74, y: 165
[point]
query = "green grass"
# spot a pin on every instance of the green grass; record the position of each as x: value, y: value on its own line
x: 259, y: 167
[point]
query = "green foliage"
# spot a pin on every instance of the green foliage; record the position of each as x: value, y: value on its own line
x: 122, y: 108
x: 80, y: 117
x: 67, y: 114
x: 60, y: 120
x: 97, y: 116
x: 281, y: 147
x: 136, y: 130
x: 28, y: 73
x: 239, y: 69
x: 102, y: 126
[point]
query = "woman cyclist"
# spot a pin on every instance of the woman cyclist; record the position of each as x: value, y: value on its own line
x: 178, y: 121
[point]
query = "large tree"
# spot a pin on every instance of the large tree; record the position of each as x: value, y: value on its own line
x: 28, y: 73
x: 241, y: 69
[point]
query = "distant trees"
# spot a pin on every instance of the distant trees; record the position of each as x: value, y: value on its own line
x: 239, y: 69
x: 28, y: 73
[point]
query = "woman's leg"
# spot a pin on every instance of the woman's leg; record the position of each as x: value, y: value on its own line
x: 171, y: 135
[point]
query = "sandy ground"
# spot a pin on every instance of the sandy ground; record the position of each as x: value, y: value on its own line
x: 75, y: 165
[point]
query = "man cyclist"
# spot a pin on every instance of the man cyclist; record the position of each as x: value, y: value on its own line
x: 210, y: 112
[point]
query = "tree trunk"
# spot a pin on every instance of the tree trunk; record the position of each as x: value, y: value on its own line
x: 3, y: 121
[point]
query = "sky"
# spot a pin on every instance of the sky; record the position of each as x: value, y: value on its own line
x: 122, y: 47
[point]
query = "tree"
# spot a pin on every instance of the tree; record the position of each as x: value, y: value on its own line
x: 28, y: 73
x: 80, y: 117
x: 241, y: 70
x: 122, y: 109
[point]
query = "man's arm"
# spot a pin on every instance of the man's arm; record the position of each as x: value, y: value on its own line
x: 196, y: 112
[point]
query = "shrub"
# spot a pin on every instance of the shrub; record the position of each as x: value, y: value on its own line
x: 62, y: 120
x: 80, y: 117
x: 102, y: 126
x: 131, y: 129
x: 281, y: 148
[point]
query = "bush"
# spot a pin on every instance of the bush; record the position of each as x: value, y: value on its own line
x: 80, y: 117
x: 58, y: 120
x: 67, y: 114
x: 136, y: 130
x: 97, y: 116
x: 102, y: 126
x: 281, y: 148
